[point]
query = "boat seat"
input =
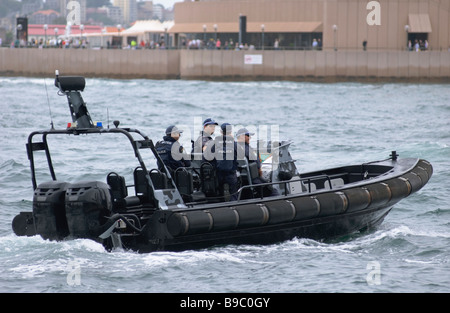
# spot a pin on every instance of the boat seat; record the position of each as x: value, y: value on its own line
x: 141, y: 185
x: 249, y: 171
x: 184, y: 181
x: 336, y: 182
x: 118, y: 190
x: 117, y: 183
x: 159, y: 179
x: 210, y: 182
x: 119, y: 193
x: 305, y: 186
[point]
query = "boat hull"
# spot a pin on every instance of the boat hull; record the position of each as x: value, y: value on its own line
x: 329, y: 227
x: 325, y: 213
x: 320, y: 215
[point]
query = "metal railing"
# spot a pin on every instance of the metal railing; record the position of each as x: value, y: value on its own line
x: 309, y: 180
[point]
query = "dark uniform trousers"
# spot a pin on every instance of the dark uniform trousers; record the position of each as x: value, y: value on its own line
x: 230, y: 178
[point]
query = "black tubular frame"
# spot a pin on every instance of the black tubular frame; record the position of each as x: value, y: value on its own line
x: 136, y: 145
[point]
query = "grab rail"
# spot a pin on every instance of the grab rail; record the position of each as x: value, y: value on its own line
x: 285, y: 182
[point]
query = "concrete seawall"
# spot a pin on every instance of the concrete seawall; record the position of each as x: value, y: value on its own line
x: 224, y: 65
x: 327, y: 65
x: 91, y: 63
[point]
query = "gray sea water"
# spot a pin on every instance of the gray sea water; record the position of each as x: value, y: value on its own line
x: 329, y: 124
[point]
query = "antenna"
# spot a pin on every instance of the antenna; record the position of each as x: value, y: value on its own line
x: 48, y: 102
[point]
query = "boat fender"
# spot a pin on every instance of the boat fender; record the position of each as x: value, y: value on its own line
x: 426, y: 166
x: 280, y: 211
x: 358, y: 199
x: 400, y: 188
x: 178, y: 224
x: 251, y: 215
x: 195, y: 222
x: 224, y: 218
x: 414, y: 180
x: 332, y: 203
x: 380, y: 194
x: 423, y: 174
x: 189, y: 223
x: 306, y: 207
x: 199, y: 222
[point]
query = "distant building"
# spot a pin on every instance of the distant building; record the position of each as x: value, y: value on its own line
x: 158, y: 12
x: 44, y: 17
x: 168, y: 14
x: 338, y: 24
x: 38, y: 32
x: 145, y: 10
x: 114, y: 13
x: 61, y: 7
x: 129, y: 10
x: 31, y: 6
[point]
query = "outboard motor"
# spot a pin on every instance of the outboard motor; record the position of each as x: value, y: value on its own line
x: 49, y: 212
x: 88, y: 205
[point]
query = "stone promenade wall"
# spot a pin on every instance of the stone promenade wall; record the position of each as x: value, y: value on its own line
x: 227, y: 65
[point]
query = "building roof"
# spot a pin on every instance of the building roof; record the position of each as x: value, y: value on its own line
x: 38, y: 29
x: 46, y: 12
x: 148, y: 26
x: 419, y: 23
x: 252, y: 27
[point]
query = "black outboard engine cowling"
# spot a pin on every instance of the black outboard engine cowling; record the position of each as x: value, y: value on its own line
x: 88, y: 205
x: 49, y: 210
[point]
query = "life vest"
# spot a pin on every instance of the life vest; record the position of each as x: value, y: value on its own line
x: 225, y: 154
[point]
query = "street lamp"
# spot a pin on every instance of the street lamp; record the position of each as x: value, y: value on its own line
x: 68, y: 28
x: 56, y: 36
x: 119, y: 27
x: 166, y: 41
x: 262, y: 36
x: 334, y: 30
x: 103, y: 33
x: 45, y: 32
x: 407, y: 37
x: 81, y: 35
x: 18, y: 34
x: 204, y: 36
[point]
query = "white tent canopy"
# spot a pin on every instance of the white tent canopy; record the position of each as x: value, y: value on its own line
x: 151, y: 30
x: 147, y: 26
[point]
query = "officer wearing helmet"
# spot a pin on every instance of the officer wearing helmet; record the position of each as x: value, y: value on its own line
x: 171, y: 151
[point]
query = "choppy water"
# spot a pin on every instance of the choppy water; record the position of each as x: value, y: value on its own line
x: 330, y: 124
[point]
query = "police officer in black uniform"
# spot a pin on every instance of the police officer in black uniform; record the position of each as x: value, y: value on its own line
x: 225, y: 151
x: 200, y: 145
x: 171, y: 151
x: 243, y: 142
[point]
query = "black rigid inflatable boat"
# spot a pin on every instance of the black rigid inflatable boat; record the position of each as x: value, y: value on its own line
x: 186, y: 210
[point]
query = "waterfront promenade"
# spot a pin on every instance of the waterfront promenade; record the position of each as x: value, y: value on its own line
x: 230, y: 65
